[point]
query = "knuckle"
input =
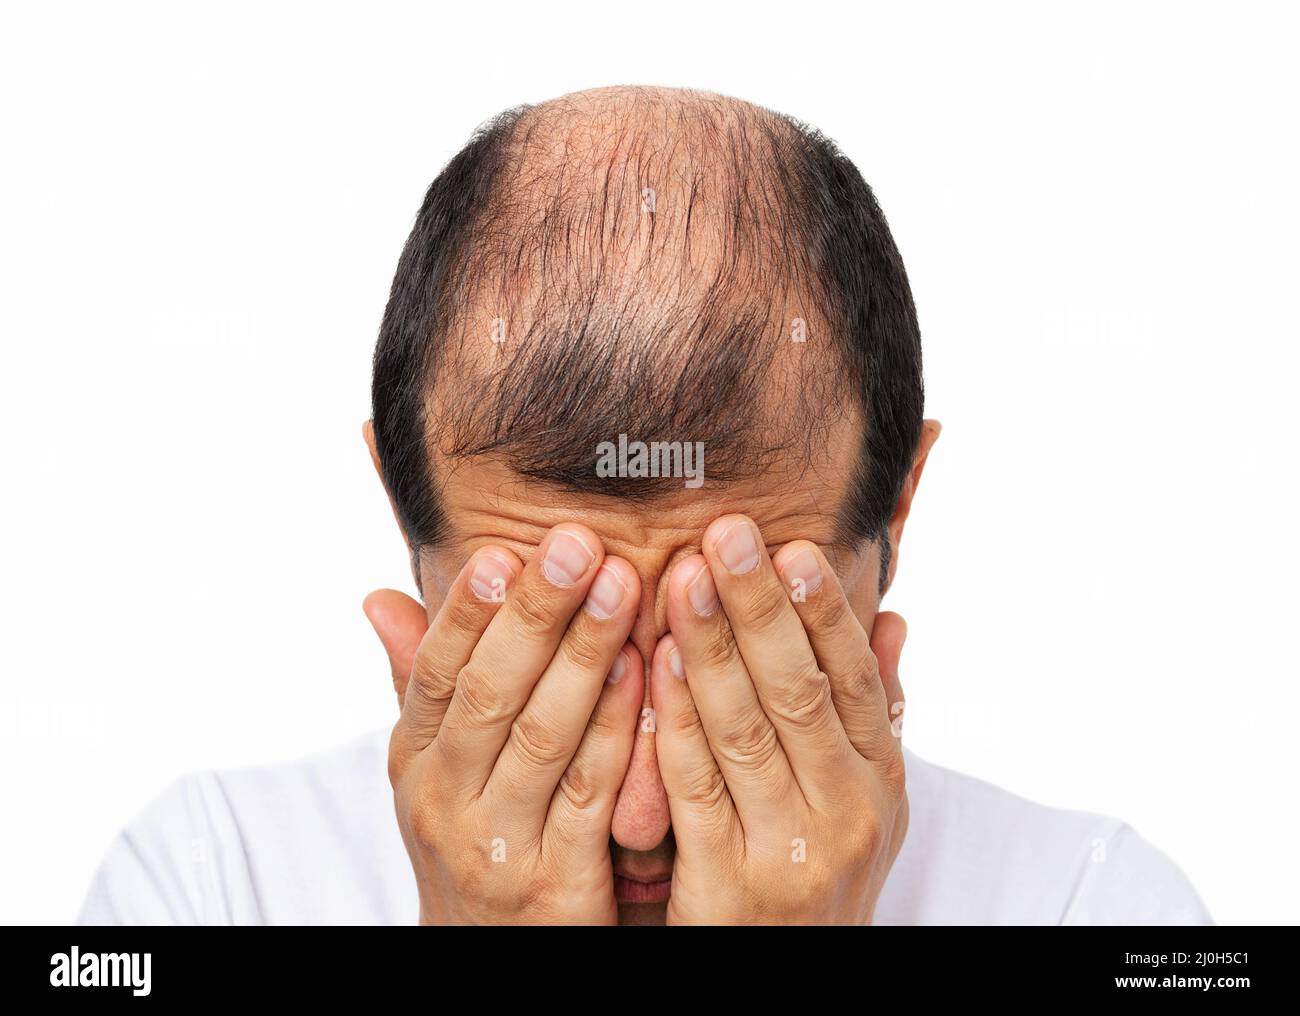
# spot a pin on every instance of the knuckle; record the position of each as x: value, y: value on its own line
x: 465, y: 614
x: 536, y: 744
x: 534, y: 612
x: 686, y: 723
x: 425, y: 824
x: 718, y: 647
x: 893, y: 774
x: 604, y: 724
x: 826, y: 613
x: 815, y: 882
x: 582, y: 648
x: 861, y: 677
x: 396, y: 761
x: 483, y: 703
x: 472, y: 873
x: 764, y: 606
x: 705, y: 787
x: 869, y: 831
x: 430, y: 683
x: 865, y: 668
x: 580, y: 789
x: 821, y: 882
x: 750, y: 743
x: 804, y: 701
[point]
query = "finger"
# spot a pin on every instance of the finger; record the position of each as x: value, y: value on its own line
x: 400, y: 622
x: 471, y: 601
x: 703, y: 813
x: 582, y: 808
x: 741, y: 735
x: 545, y: 735
x: 794, y: 691
x: 888, y: 634
x: 842, y: 647
x: 516, y: 647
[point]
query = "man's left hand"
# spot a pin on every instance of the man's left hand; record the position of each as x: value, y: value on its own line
x: 777, y: 736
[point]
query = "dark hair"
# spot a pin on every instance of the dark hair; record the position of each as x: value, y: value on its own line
x: 530, y: 213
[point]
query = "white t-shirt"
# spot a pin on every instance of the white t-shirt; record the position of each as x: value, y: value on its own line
x: 316, y: 842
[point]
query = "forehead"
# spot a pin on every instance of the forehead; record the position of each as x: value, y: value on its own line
x: 485, y: 501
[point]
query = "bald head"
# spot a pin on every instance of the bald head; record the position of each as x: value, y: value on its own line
x: 674, y: 266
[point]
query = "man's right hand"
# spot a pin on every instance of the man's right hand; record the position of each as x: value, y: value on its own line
x: 518, y: 720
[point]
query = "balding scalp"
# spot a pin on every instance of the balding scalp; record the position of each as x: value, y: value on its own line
x: 675, y: 266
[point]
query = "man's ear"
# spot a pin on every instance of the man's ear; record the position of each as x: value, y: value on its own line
x: 368, y: 432
x: 929, y: 435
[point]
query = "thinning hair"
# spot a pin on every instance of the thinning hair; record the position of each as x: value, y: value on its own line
x: 672, y: 265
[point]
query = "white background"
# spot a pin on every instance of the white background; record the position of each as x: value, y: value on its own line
x: 200, y: 214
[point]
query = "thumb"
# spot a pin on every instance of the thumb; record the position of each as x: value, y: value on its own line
x: 400, y: 622
x: 888, y: 633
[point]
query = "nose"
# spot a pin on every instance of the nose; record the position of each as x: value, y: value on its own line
x: 641, y: 815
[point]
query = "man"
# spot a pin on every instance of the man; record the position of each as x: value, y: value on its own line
x: 648, y: 407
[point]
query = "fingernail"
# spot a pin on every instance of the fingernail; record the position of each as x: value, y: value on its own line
x: 605, y: 594
x: 617, y: 671
x: 567, y: 559
x: 675, y: 663
x: 490, y: 577
x: 738, y: 549
x: 802, y: 572
x: 702, y: 593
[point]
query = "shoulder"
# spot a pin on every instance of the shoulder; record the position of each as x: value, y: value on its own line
x: 977, y: 854
x: 308, y: 842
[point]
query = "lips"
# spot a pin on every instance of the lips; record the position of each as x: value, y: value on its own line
x: 639, y: 890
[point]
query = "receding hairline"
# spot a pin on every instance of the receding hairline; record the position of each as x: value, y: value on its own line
x: 853, y: 270
x: 592, y: 155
